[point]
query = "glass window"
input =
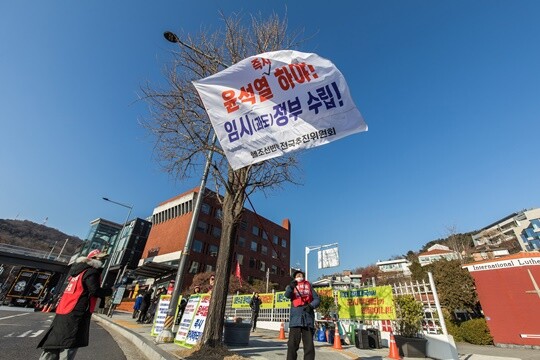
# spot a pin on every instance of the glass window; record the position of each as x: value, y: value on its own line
x: 276, y: 239
x: 284, y: 243
x: 273, y: 269
x: 255, y: 230
x: 218, y: 214
x: 194, y: 267
x: 251, y: 262
x: 241, y: 242
x: 264, y: 250
x: 205, y: 209
x: 264, y: 235
x: 240, y: 259
x: 253, y: 246
x: 213, y: 250
x: 274, y: 254
x: 243, y: 225
x: 216, y: 231
x: 209, y: 268
x: 263, y: 266
x: 197, y: 246
x: 202, y: 226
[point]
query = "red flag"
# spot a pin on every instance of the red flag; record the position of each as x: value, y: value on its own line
x: 237, y: 273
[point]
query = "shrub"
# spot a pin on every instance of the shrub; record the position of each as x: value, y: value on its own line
x: 409, y: 314
x: 476, y: 332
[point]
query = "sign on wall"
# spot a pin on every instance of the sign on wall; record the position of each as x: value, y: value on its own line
x: 375, y: 303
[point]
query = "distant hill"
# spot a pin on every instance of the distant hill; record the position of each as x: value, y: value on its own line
x: 28, y: 234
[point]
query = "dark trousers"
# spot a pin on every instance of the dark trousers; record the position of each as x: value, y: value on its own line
x: 295, y: 335
x: 254, y: 316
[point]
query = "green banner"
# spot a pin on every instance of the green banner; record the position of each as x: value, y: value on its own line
x: 374, y: 303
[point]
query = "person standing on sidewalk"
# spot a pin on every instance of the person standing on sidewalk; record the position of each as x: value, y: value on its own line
x: 70, y: 328
x: 255, y: 305
x: 137, y: 305
x: 147, y: 299
x: 304, y: 299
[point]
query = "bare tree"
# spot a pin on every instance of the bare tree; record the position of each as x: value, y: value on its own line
x: 184, y: 133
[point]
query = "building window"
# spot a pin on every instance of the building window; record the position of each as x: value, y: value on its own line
x: 264, y: 250
x: 205, y: 209
x: 197, y: 246
x: 243, y: 225
x: 284, y: 243
x: 263, y: 266
x: 241, y: 242
x: 213, y: 250
x: 253, y: 246
x: 274, y: 254
x: 240, y: 259
x: 202, y: 226
x: 264, y: 235
x: 276, y: 239
x: 255, y: 230
x: 216, y: 231
x: 273, y: 269
x: 252, y: 262
x: 194, y: 267
x: 209, y: 268
x: 218, y: 214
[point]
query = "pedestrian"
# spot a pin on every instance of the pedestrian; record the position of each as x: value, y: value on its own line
x: 137, y: 305
x: 70, y: 328
x: 145, y: 304
x: 255, y: 305
x: 304, y: 299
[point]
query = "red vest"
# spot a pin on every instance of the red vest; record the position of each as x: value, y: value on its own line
x: 72, y: 294
x: 302, y: 294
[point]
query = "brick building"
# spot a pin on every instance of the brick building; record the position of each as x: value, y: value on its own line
x: 261, y: 245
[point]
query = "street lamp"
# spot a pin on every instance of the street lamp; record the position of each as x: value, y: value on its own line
x: 166, y: 334
x: 130, y: 207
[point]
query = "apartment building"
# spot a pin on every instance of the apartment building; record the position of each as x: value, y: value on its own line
x: 522, y: 228
x: 261, y: 246
x: 400, y: 266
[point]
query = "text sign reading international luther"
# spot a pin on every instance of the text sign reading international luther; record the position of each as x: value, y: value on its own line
x: 278, y: 102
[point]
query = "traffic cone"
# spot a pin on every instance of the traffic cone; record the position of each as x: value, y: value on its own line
x: 394, y: 352
x: 337, y: 339
x: 282, y: 331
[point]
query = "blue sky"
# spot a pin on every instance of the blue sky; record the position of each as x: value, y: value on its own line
x: 450, y: 91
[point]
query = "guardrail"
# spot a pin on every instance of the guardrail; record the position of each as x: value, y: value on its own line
x: 13, y: 249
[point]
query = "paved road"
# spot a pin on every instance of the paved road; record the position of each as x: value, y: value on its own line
x: 21, y: 331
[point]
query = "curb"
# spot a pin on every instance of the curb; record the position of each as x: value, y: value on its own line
x: 146, y: 346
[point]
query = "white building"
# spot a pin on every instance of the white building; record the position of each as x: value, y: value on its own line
x: 435, y: 253
x: 396, y: 266
x: 509, y: 228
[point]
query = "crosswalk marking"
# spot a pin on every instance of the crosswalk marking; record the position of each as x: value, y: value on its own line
x: 29, y: 333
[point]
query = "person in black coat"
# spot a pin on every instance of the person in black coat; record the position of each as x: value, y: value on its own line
x: 147, y: 300
x: 71, y: 326
x: 255, y: 305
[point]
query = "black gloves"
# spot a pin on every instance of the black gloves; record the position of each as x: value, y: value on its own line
x: 293, y: 284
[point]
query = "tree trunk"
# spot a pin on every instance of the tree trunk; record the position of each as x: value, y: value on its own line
x: 233, y: 204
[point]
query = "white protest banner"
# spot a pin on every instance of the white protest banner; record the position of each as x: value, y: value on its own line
x: 278, y: 102
x: 197, y: 326
x: 160, y: 315
x: 328, y: 258
x: 187, y: 318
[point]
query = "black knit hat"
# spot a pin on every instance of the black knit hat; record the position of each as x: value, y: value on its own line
x: 296, y: 272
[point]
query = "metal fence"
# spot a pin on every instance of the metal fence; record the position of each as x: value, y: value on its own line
x: 422, y: 291
x: 33, y: 253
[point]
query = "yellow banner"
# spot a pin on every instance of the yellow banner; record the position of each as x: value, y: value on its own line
x: 281, y: 302
x: 325, y: 291
x: 374, y: 303
x: 242, y: 301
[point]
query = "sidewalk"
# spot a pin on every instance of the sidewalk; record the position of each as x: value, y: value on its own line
x: 264, y: 344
